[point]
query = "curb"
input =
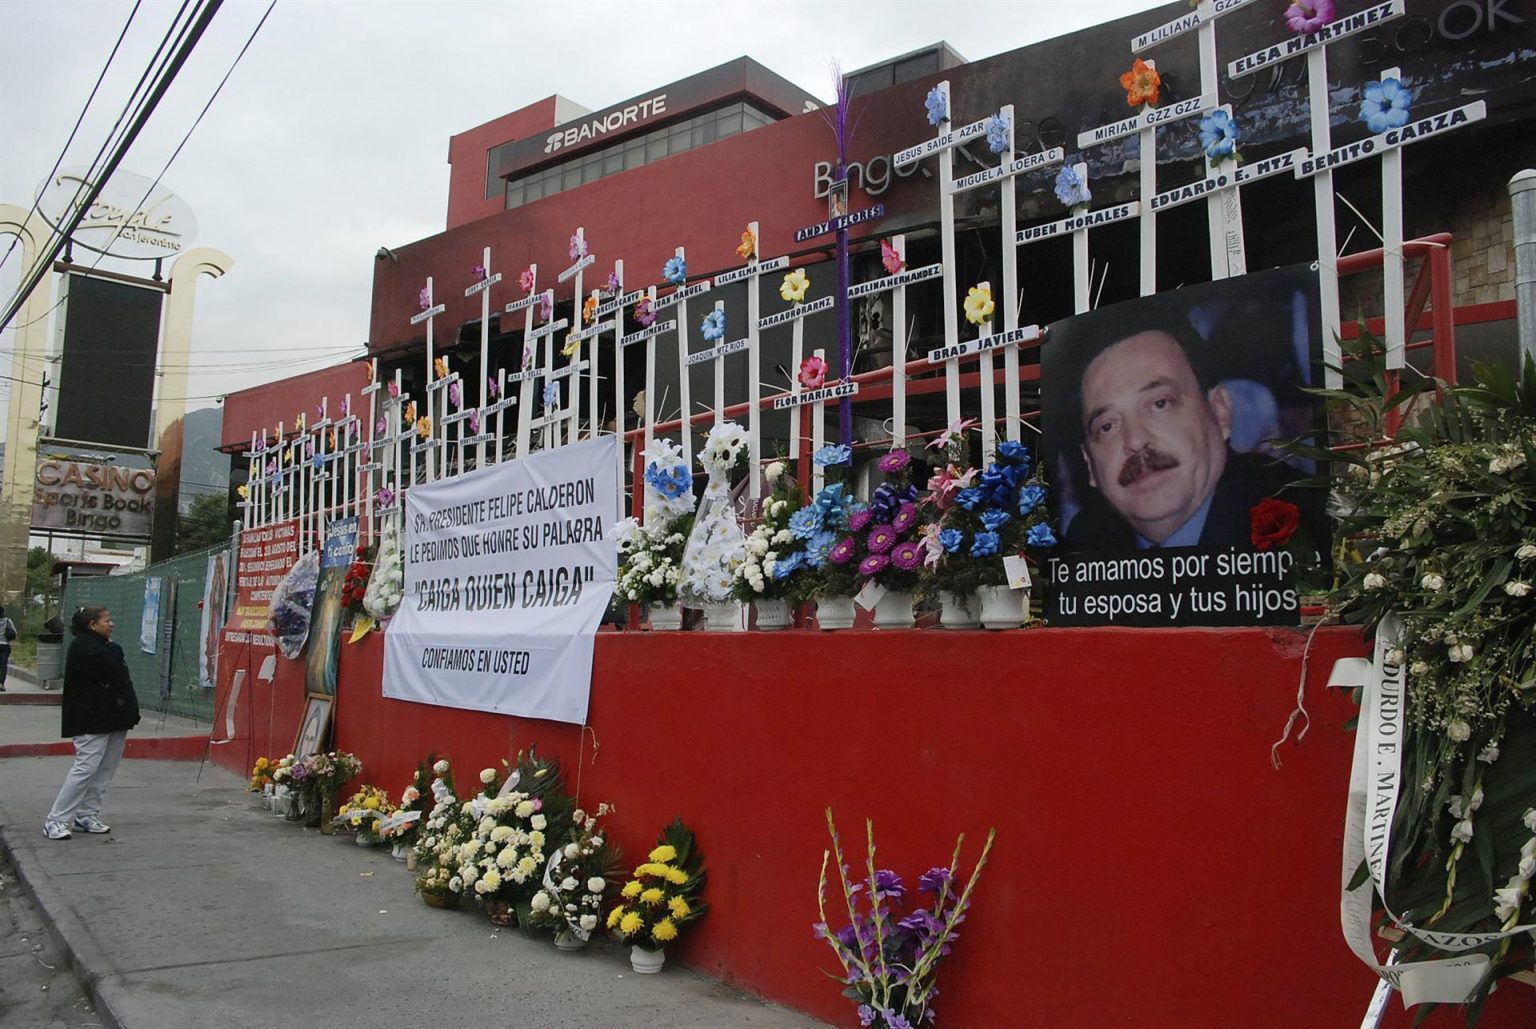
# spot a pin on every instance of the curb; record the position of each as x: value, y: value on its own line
x: 148, y: 748
x: 82, y: 966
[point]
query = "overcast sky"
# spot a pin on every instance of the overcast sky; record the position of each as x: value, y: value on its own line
x: 331, y: 137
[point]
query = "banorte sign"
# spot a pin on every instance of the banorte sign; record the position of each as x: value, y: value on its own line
x: 609, y: 121
x: 83, y: 498
x: 132, y: 217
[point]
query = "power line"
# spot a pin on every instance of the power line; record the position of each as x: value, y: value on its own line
x: 179, y: 58
x: 78, y: 121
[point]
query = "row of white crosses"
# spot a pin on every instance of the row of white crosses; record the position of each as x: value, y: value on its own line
x: 309, y: 477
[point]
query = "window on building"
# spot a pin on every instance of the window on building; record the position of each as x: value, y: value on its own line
x: 679, y: 137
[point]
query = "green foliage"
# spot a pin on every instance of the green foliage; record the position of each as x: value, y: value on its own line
x: 205, y: 524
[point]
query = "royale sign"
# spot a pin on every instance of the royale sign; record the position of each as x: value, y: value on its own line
x: 132, y: 217
x: 82, y: 498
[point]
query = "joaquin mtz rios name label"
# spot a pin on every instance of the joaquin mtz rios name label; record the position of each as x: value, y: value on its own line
x: 811, y: 396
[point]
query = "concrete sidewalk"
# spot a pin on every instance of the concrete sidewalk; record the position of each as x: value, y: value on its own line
x: 201, y: 909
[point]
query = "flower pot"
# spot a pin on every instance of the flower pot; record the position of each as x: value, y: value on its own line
x: 569, y: 941
x: 1003, y: 608
x: 894, y: 611
x: 327, y: 811
x: 726, y: 617
x: 773, y: 614
x: 668, y: 617
x: 446, y: 901
x: 959, y: 611
x: 834, y: 613
x: 410, y: 859
x: 646, y: 962
x: 400, y: 851
x: 363, y: 841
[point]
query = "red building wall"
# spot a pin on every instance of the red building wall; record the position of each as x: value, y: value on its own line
x: 467, y: 157
x: 259, y: 408
x: 1151, y: 867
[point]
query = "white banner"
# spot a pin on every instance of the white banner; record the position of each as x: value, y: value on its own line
x: 508, y: 570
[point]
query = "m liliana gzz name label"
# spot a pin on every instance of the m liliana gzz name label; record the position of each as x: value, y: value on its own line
x: 846, y: 389
x: 1207, y: 10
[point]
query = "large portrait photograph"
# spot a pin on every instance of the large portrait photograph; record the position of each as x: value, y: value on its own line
x: 1164, y: 419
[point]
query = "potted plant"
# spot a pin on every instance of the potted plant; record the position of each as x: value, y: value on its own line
x: 716, y: 547
x: 364, y: 814
x: 774, y: 552
x: 577, y: 882
x: 892, y: 555
x: 651, y: 550
x: 665, y: 895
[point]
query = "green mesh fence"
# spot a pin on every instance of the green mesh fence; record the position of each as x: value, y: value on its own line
x: 123, y: 595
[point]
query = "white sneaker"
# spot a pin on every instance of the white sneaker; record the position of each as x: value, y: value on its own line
x: 91, y: 824
x: 55, y: 831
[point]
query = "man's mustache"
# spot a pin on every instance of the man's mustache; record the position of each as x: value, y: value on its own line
x: 1143, y: 463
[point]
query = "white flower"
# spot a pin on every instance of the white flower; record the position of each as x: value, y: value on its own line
x: 1460, y: 653
x: 1395, y: 656
x: 571, y: 907
x: 1529, y: 818
x: 1433, y: 582
x: 568, y: 884
x: 588, y: 923
x: 571, y: 851
x: 1489, y: 754
x: 1526, y: 551
x: 1462, y: 831
x: 1527, y: 866
x: 488, y: 775
x: 541, y: 901
x: 538, y: 821
x: 536, y: 839
x: 578, y: 816
x: 1458, y: 730
x: 1516, y: 588
x: 441, y: 768
x: 597, y: 884
x: 456, y: 884
x: 524, y: 809
x: 1507, y: 900
x: 1375, y: 581
x: 1419, y: 668
x: 507, y: 858
x: 597, y: 841
x: 775, y: 471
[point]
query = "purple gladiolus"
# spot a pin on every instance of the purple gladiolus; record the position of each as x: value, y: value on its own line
x: 935, y: 880
x: 889, y: 884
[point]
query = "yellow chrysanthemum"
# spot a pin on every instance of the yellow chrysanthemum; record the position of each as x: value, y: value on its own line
x: 440, y: 366
x: 676, y: 876
x: 664, y: 931
x: 652, y: 896
x: 572, y: 346
x: 795, y: 285
x: 665, y: 852
x: 631, y: 890
x: 979, y: 305
x: 372, y: 803
x: 262, y: 762
x: 679, y: 907
x: 614, y: 916
x: 630, y: 923
x: 424, y: 427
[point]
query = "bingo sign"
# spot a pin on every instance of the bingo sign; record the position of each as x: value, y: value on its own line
x: 508, y: 571
x: 85, y: 498
x: 267, y: 554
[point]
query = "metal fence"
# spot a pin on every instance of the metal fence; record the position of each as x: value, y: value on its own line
x: 166, y: 680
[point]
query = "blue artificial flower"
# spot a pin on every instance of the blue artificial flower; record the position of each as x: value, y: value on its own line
x: 1071, y: 188
x: 887, y: 500
x: 818, y: 547
x: 995, y: 518
x: 1030, y: 497
x: 997, y: 132
x: 552, y: 394
x: 938, y: 106
x: 833, y: 453
x: 1386, y: 105
x: 1041, y: 536
x: 985, y: 544
x: 998, y: 483
x: 672, y: 482
x: 1013, y: 452
x: 785, y: 566
x: 319, y: 461
x: 970, y: 497
x: 1218, y: 134
x: 833, y: 504
x: 951, y: 539
x: 713, y: 326
x: 805, y: 523
x: 675, y: 271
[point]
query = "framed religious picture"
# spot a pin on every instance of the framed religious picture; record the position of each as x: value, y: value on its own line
x: 837, y: 199
x: 314, y: 725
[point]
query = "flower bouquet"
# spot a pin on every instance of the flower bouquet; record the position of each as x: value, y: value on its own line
x: 507, y: 833
x: 665, y: 895
x: 355, y: 585
x: 576, y: 882
x: 292, y: 601
x: 364, y: 814
x: 651, y: 553
x: 401, y: 828
x: 774, y: 552
x: 261, y: 776
x: 437, y: 842
x: 288, y: 788
x: 715, y: 547
x: 386, y: 584
x: 890, y: 959
x: 323, y: 776
x: 974, y: 522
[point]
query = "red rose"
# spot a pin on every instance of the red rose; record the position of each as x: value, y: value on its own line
x: 1272, y: 522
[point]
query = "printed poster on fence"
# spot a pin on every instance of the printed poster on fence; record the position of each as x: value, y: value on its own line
x: 1161, y: 418
x: 211, y: 625
x: 149, y: 618
x: 508, y: 571
x: 321, y: 649
x: 267, y: 554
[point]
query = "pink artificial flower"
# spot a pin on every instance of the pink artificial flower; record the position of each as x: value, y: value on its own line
x: 944, y: 485
x: 613, y: 284
x: 890, y: 258
x: 479, y: 272
x: 424, y: 298
x: 643, y: 313
x: 492, y: 390
x: 346, y: 406
x: 578, y: 247
x: 546, y: 306
x: 813, y: 372
x: 954, y: 434
x: 380, y: 426
x: 474, y: 423
x: 525, y: 280
x: 394, y: 389
x: 1306, y: 16
x: 928, y: 539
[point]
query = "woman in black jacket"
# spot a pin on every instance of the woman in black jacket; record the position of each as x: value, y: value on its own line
x: 99, y: 708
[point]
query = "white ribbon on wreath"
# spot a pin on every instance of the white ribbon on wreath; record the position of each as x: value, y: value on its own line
x: 557, y: 900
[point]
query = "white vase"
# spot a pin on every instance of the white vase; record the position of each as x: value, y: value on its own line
x: 894, y: 610
x: 362, y: 841
x: 1002, y: 608
x: 399, y: 851
x: 568, y: 941
x: 646, y: 962
x: 669, y: 616
x: 834, y: 613
x: 959, y: 611
x: 772, y: 614
x: 726, y: 617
